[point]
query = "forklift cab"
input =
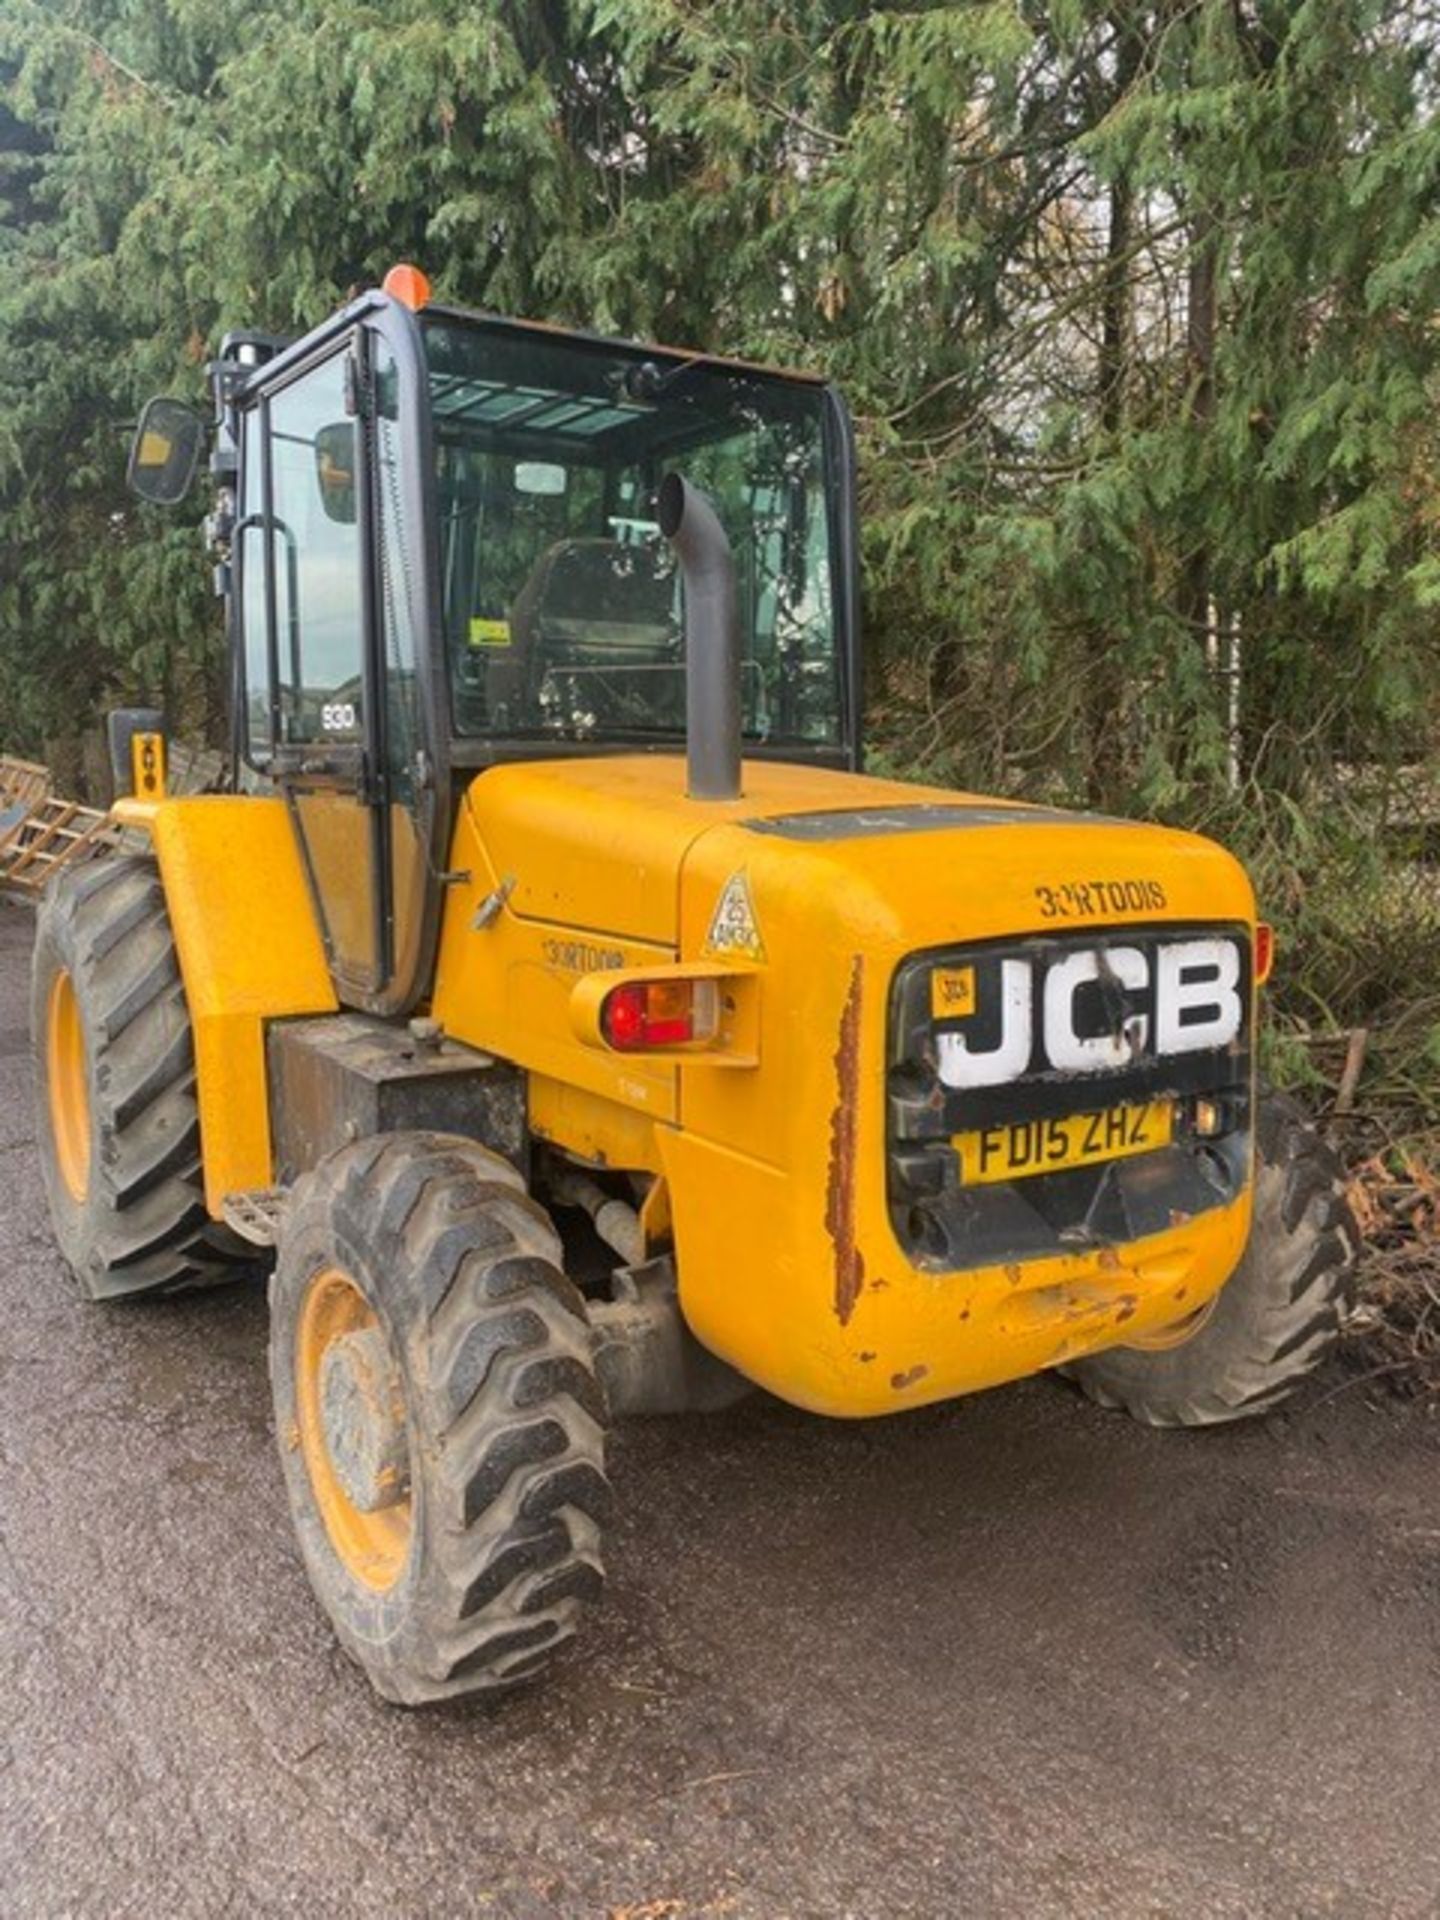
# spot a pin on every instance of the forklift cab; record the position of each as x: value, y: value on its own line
x: 439, y: 551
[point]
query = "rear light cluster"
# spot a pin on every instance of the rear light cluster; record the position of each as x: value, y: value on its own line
x: 1264, y: 952
x: 660, y: 1013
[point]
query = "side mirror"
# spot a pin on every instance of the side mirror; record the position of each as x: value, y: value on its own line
x: 335, y: 470
x: 165, y: 452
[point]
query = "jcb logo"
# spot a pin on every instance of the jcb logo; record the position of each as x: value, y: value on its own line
x: 1180, y: 996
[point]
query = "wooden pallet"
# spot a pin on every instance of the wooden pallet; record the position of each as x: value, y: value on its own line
x: 22, y: 782
x: 45, y: 835
x: 41, y: 832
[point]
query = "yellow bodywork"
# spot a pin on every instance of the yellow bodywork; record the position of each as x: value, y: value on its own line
x: 775, y: 1173
x: 769, y: 1151
x: 249, y: 951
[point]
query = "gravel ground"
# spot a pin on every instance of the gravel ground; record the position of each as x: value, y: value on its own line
x: 1014, y: 1656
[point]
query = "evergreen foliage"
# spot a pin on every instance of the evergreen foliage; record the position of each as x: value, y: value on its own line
x: 1135, y: 303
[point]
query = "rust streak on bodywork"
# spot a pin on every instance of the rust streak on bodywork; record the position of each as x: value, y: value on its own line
x: 840, y: 1193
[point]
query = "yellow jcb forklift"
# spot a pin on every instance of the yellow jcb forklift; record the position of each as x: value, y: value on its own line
x: 576, y: 1026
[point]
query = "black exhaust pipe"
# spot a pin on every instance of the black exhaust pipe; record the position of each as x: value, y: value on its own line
x: 712, y: 639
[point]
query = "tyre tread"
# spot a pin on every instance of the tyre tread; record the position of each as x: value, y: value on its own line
x: 505, y: 1401
x: 1303, y: 1280
x: 108, y: 921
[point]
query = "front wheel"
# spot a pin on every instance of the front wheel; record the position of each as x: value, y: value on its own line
x: 440, y: 1424
x: 1277, y: 1316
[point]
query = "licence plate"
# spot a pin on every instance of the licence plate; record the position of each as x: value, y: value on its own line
x: 1013, y: 1150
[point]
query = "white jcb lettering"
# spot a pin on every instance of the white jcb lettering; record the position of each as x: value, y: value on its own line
x: 960, y: 1067
x: 1197, y: 1002
x: 1197, y: 1006
x: 1067, y: 1050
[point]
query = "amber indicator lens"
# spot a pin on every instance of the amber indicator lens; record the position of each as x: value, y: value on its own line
x: 1264, y: 952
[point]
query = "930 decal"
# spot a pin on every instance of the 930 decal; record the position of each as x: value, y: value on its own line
x: 1083, y: 899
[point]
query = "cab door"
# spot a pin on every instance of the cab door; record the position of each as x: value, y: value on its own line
x: 329, y: 630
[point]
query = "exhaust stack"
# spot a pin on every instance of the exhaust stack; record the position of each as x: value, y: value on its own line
x: 712, y: 640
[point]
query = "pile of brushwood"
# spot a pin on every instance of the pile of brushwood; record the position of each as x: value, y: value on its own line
x: 1382, y: 1088
x: 1353, y: 1026
x: 1396, y: 1195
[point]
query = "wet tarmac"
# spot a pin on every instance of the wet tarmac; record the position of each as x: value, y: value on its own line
x: 1014, y: 1656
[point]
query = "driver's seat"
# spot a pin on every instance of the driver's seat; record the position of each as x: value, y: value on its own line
x: 596, y: 602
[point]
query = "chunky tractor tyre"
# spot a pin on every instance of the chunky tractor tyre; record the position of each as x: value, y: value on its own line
x: 116, y: 1116
x: 440, y: 1423
x: 1275, y: 1318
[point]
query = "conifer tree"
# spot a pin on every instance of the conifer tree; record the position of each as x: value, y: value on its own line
x: 1135, y: 303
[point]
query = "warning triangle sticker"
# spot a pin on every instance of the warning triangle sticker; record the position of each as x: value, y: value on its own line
x: 733, y: 926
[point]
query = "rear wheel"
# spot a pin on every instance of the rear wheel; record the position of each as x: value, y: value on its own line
x: 116, y: 1115
x: 1277, y: 1316
x: 440, y: 1424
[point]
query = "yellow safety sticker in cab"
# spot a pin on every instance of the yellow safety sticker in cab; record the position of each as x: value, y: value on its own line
x: 1015, y: 1149
x: 489, y: 633
x: 952, y: 992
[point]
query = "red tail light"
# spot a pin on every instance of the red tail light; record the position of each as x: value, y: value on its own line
x: 658, y: 1013
x: 1264, y: 952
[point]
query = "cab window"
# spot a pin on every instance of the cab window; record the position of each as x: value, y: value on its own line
x: 561, y: 600
x: 304, y: 527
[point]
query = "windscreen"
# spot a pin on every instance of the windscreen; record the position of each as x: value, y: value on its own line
x: 563, y: 609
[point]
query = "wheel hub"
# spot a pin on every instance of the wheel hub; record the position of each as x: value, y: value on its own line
x: 351, y: 1429
x: 362, y: 1414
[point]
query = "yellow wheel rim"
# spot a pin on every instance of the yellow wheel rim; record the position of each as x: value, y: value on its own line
x: 371, y: 1546
x: 69, y: 1083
